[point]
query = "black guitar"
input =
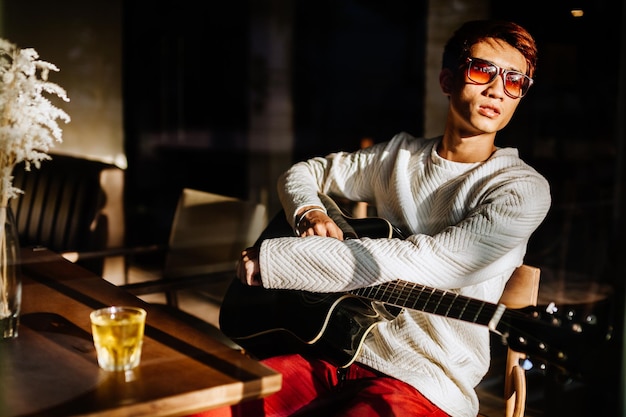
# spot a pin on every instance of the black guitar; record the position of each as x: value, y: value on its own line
x: 267, y: 322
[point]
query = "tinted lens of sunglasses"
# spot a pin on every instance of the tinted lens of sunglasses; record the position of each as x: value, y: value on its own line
x: 516, y: 84
x: 482, y: 72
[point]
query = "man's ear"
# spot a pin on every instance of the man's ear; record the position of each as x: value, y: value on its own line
x: 446, y: 81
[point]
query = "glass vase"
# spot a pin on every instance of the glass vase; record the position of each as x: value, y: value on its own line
x: 10, y: 278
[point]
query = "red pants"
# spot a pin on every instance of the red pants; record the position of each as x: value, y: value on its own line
x: 312, y: 387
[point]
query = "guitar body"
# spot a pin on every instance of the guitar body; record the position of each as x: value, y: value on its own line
x: 266, y: 322
x: 334, y: 326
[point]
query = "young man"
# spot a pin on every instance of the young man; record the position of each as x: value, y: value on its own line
x: 467, y: 209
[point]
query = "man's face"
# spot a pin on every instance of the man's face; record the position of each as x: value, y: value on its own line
x: 486, y: 108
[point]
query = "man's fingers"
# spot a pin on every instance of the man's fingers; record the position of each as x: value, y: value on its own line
x: 325, y: 229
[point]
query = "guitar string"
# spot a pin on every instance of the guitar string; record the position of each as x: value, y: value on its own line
x: 430, y: 300
x: 526, y: 338
x: 399, y: 293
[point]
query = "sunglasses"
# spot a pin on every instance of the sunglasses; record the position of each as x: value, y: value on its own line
x: 516, y: 84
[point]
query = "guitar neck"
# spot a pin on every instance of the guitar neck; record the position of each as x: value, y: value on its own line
x: 431, y: 300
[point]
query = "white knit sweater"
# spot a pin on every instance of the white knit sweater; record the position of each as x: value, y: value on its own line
x: 468, y: 226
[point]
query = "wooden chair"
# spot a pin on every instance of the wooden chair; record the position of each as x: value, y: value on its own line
x: 73, y: 206
x: 208, y: 233
x: 522, y: 290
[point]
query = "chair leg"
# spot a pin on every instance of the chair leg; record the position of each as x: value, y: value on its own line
x: 515, y: 386
x: 171, y: 298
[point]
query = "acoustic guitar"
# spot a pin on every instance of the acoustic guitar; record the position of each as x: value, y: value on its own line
x: 334, y: 325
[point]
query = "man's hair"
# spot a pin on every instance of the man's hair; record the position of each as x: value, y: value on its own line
x: 457, y: 48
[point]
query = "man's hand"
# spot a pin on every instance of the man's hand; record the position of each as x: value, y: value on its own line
x: 314, y: 223
x: 248, y: 270
x: 317, y: 223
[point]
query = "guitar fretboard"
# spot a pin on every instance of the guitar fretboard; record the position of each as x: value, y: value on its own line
x: 430, y: 300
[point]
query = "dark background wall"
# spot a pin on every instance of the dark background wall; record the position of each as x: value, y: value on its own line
x: 357, y: 72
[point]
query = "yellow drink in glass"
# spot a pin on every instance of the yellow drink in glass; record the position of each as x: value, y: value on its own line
x: 118, y: 336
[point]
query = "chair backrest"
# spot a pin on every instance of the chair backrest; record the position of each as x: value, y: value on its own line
x: 209, y: 231
x: 521, y: 290
x: 71, y: 204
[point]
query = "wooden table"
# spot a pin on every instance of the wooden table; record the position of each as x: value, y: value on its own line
x: 50, y: 369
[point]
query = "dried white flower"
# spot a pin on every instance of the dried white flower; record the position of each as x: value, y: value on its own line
x: 28, y: 120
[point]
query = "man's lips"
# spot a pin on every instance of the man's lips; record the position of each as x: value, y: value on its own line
x: 489, y: 111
